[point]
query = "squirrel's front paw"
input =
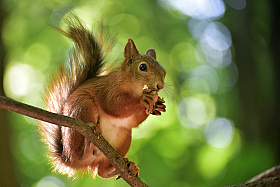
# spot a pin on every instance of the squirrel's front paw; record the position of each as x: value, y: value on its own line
x: 159, y: 107
x: 149, y: 98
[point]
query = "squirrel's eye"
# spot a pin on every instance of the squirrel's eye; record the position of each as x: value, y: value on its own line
x: 143, y: 67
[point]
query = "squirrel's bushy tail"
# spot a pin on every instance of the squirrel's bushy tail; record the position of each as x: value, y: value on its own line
x: 85, y: 61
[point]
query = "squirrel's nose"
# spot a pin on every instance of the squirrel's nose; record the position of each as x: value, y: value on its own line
x: 160, y: 86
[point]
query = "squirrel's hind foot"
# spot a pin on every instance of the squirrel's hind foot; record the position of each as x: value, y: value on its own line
x: 132, y: 168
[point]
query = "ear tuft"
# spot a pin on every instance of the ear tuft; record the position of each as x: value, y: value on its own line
x: 130, y: 50
x: 152, y: 53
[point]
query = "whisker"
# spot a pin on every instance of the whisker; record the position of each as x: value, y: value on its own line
x: 169, y: 91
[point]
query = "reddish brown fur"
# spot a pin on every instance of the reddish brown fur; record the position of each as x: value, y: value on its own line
x: 115, y: 101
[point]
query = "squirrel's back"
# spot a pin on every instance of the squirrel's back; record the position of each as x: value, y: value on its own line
x: 85, y: 61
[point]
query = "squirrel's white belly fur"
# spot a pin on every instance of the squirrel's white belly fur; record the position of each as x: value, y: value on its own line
x: 114, y: 128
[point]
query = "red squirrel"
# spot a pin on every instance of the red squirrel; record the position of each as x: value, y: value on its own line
x: 112, y: 101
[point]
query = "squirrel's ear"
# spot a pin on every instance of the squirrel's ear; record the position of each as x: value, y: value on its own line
x: 130, y: 50
x: 152, y: 53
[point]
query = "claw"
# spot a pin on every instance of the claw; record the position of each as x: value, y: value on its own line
x: 159, y: 107
x: 118, y: 177
x: 149, y: 98
x: 153, y: 103
x: 156, y: 113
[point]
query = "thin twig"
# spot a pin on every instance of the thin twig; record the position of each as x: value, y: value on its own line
x: 78, y: 125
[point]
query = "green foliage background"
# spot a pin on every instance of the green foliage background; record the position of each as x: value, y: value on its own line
x: 166, y: 151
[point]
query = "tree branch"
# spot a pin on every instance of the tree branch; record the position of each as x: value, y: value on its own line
x: 269, y: 182
x: 78, y: 125
x: 272, y: 172
x: 270, y: 177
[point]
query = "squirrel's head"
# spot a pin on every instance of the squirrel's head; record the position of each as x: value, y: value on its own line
x: 144, y: 70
